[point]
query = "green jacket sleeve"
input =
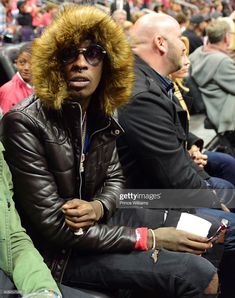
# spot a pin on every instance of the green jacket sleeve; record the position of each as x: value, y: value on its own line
x: 20, y: 259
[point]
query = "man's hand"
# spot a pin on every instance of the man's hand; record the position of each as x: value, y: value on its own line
x: 181, y: 241
x: 199, y: 158
x: 81, y: 214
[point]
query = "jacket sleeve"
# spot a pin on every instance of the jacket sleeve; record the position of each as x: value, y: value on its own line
x: 156, y: 142
x: 36, y: 191
x: 194, y: 140
x: 28, y: 271
x: 109, y: 193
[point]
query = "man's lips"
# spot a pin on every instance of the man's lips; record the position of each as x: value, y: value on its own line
x: 79, y: 82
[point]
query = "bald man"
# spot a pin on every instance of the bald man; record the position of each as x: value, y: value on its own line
x: 155, y: 139
x: 153, y: 150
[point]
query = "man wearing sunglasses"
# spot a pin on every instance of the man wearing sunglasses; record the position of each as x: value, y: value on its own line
x: 61, y: 147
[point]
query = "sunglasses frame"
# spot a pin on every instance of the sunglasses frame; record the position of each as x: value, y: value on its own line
x: 84, y: 51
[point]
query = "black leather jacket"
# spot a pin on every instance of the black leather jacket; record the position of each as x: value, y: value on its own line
x: 43, y: 152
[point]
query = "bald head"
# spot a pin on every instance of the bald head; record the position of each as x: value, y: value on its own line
x: 156, y: 38
x: 153, y: 23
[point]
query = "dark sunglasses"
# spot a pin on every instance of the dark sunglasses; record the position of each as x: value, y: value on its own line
x: 93, y: 54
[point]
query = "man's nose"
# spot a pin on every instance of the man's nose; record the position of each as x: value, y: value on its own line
x: 80, y: 60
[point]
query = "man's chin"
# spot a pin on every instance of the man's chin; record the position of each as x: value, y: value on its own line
x: 75, y: 94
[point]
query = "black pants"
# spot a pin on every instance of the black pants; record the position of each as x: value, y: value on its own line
x: 173, y: 275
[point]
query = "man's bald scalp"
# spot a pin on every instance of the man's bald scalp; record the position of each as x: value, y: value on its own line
x: 153, y: 23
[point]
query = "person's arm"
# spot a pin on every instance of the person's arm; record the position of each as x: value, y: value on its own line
x: 25, y: 265
x: 29, y: 272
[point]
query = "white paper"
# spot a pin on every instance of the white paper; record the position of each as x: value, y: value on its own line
x: 193, y: 224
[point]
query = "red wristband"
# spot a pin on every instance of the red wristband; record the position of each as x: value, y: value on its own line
x: 141, y: 239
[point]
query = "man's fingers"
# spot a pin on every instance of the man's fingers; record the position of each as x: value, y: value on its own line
x: 193, y: 237
x: 77, y: 212
x: 77, y: 219
x: 74, y: 203
x: 199, y: 246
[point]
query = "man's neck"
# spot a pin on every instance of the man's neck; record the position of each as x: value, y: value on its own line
x: 84, y: 104
x: 221, y: 47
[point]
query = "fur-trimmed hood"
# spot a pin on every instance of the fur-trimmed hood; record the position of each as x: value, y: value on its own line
x: 71, y: 26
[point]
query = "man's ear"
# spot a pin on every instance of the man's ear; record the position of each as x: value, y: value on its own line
x: 160, y: 44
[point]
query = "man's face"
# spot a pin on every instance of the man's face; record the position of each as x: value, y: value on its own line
x: 176, y: 49
x: 82, y: 78
x: 23, y: 65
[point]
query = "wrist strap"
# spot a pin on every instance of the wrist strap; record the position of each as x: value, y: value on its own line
x: 141, y: 239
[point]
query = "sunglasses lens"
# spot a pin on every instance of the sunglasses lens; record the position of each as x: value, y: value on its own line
x: 94, y: 54
x: 69, y: 55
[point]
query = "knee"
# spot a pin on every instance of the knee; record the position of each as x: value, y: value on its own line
x: 212, y: 288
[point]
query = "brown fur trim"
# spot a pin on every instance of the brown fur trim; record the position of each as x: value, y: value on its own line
x: 71, y: 26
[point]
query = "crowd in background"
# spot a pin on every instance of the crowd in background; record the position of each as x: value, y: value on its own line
x: 26, y: 19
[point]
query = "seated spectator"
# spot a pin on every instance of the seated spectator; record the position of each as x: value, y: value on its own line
x: 24, y: 18
x: 18, y: 257
x: 47, y: 17
x: 24, y: 21
x: 153, y: 149
x: 19, y: 86
x: 194, y: 31
x: 182, y: 19
x: 120, y: 17
x: 214, y: 73
x: 61, y: 148
x: 161, y: 157
x: 135, y: 6
x: 6, y: 31
x: 216, y: 164
x: 121, y: 5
